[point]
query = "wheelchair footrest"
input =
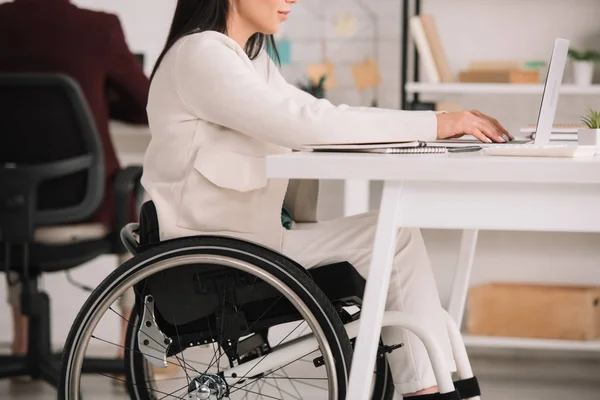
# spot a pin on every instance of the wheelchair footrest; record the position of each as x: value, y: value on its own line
x: 465, y: 389
x: 468, y: 388
x: 383, y: 350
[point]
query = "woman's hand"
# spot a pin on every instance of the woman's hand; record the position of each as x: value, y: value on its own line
x: 483, y: 127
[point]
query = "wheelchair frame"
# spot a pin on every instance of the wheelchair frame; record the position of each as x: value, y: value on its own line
x: 308, y: 343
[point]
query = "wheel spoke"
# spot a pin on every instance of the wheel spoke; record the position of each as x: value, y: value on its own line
x: 248, y: 391
x: 187, y: 376
x: 300, y: 380
x: 173, y: 392
x: 262, y: 359
x: 292, y: 382
x: 124, y: 381
x: 281, y: 391
x: 263, y: 395
x: 272, y: 372
x: 133, y: 350
x: 254, y: 323
x: 277, y: 385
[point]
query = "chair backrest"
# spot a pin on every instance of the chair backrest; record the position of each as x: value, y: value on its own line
x: 51, y: 162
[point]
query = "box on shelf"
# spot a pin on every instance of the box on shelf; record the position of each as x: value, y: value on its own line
x: 495, y: 65
x: 534, y: 311
x: 499, y: 76
x: 448, y: 106
x: 524, y: 76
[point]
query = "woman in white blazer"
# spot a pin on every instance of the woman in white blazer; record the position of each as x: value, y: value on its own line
x: 218, y: 105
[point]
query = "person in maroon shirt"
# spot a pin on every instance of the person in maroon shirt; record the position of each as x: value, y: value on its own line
x: 58, y: 37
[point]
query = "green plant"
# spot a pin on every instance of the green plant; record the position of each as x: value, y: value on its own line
x: 592, y: 119
x: 317, y: 90
x: 589, y: 55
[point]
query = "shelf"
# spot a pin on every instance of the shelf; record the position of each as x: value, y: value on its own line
x: 496, y: 88
x: 490, y: 342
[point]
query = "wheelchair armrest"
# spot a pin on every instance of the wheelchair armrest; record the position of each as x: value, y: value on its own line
x: 127, y: 183
x: 128, y: 237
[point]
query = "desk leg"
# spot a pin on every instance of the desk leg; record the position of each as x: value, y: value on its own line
x: 356, y: 197
x: 456, y: 307
x: 363, y: 361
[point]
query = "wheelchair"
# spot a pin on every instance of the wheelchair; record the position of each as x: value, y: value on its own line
x: 236, y: 320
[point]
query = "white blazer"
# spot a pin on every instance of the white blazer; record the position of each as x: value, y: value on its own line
x: 214, y: 115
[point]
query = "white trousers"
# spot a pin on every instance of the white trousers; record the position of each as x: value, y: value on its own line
x: 412, y: 287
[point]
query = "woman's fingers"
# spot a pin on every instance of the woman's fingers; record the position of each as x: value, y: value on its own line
x: 491, y: 131
x: 477, y: 125
x: 473, y: 123
x: 501, y: 128
x: 480, y: 135
x: 495, y: 123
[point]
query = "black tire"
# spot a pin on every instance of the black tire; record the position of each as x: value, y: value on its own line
x: 280, y: 267
x: 383, y: 389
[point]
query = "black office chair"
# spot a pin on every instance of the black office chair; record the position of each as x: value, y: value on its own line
x: 51, y: 179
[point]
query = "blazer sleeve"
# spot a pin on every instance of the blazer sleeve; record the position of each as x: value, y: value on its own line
x: 218, y: 86
x: 305, y: 98
x: 127, y: 84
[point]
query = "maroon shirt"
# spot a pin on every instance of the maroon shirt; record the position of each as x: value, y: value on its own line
x: 56, y: 36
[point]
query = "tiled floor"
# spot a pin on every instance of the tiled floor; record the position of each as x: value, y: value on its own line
x: 501, y: 379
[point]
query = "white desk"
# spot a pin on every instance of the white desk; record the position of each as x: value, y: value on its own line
x: 454, y: 191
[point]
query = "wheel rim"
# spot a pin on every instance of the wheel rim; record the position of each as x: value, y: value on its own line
x: 148, y: 268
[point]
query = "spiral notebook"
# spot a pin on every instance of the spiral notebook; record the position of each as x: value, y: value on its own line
x: 381, y: 148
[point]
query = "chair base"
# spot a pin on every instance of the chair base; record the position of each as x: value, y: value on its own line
x: 47, y: 370
x: 39, y: 363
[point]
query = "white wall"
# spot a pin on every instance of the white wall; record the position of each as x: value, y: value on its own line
x: 471, y: 29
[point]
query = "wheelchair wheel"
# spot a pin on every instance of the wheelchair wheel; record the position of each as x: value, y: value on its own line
x: 251, y: 324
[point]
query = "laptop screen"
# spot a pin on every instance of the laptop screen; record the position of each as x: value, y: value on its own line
x: 551, y: 92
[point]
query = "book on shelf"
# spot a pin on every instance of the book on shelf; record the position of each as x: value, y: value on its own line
x: 424, y: 49
x: 437, y: 49
x: 428, y: 42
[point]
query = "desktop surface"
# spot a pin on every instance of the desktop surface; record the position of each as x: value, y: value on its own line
x: 449, y: 167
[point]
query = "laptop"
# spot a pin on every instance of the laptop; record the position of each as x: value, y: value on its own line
x: 548, y: 104
x: 541, y: 145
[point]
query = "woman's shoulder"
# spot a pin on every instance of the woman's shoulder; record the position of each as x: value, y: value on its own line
x: 207, y: 41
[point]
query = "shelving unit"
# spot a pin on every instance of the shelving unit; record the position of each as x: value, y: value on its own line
x: 406, y: 14
x: 414, y: 88
x: 494, y: 88
x: 492, y: 342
